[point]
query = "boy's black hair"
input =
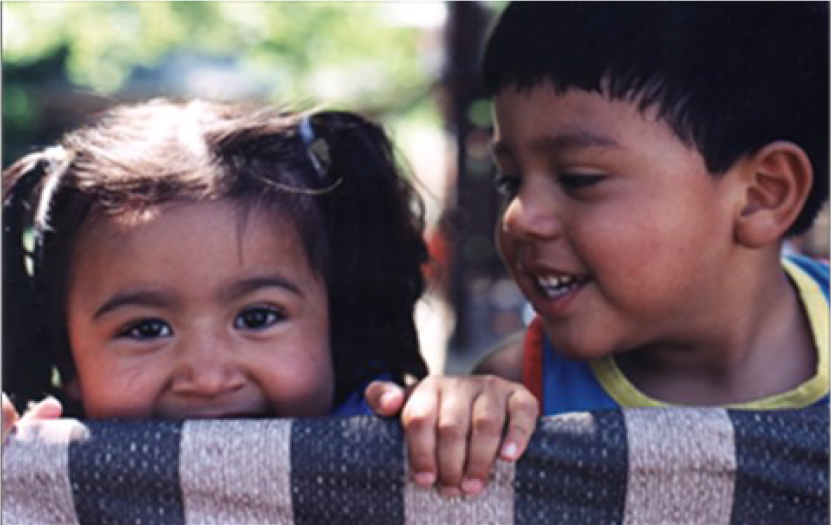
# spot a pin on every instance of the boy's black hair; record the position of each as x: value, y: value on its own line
x: 333, y: 175
x: 728, y: 77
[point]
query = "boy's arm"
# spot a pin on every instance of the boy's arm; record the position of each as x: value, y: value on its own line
x: 504, y: 360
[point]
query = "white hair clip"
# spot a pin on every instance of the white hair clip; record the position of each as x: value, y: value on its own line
x: 316, y: 148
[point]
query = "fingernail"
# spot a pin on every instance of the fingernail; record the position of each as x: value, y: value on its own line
x: 389, y: 397
x: 425, y: 479
x: 450, y: 492
x: 509, y: 451
x: 472, y: 486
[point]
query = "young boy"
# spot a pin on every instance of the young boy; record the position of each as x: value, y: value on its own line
x: 654, y: 158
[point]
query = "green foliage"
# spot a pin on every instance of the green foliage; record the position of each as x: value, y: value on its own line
x: 62, y: 60
x: 333, y: 51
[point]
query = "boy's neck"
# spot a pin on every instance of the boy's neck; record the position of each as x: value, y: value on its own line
x: 764, y: 348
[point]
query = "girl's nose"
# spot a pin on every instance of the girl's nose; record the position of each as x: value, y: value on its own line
x: 208, y: 371
x: 531, y: 215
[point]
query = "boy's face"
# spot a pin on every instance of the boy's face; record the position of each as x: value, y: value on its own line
x: 613, y: 228
x: 191, y: 312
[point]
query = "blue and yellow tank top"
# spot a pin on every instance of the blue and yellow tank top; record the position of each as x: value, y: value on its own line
x: 564, y: 385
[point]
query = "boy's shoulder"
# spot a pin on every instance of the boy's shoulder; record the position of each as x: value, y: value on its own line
x: 814, y: 269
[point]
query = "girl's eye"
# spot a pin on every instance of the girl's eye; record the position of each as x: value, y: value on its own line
x: 258, y: 318
x: 578, y: 182
x: 147, y: 329
x: 507, y: 184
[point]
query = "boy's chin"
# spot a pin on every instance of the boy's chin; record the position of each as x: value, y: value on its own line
x: 578, y: 348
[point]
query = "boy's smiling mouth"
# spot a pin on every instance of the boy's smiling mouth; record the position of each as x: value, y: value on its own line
x: 553, y: 290
x: 556, y: 286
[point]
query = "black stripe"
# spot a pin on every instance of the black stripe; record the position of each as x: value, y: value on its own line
x: 127, y: 472
x: 574, y: 471
x: 347, y: 470
x: 782, y: 467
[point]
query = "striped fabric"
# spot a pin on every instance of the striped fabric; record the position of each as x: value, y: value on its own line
x: 638, y: 466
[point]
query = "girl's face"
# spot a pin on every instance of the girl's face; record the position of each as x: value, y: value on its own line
x: 188, y: 311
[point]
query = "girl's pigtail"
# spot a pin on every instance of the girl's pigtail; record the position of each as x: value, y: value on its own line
x: 28, y: 188
x: 377, y: 253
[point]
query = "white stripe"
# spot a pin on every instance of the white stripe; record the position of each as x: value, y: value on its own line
x: 236, y: 472
x: 36, y: 484
x: 682, y: 466
x: 493, y: 506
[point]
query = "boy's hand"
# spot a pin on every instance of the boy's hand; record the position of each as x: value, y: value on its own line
x: 454, y: 426
x: 49, y: 408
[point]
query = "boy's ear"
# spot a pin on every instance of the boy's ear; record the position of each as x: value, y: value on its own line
x: 777, y: 180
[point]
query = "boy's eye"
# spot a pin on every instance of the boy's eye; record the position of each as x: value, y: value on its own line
x: 257, y: 318
x: 147, y: 329
x: 578, y: 182
x: 507, y: 184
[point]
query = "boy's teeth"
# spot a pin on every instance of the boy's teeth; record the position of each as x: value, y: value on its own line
x: 555, y: 286
x: 556, y: 281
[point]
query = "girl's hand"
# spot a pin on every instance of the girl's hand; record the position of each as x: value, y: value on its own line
x: 454, y: 427
x: 49, y: 408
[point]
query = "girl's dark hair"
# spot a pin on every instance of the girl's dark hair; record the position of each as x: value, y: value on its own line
x: 333, y: 174
x: 728, y: 77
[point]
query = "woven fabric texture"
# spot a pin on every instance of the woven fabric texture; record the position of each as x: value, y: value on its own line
x: 634, y: 466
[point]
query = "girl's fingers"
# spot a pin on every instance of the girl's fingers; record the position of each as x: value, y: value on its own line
x: 49, y: 408
x: 10, y: 417
x: 523, y: 411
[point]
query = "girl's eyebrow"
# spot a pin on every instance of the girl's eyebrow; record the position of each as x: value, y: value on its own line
x: 132, y: 298
x: 252, y: 284
x: 152, y: 298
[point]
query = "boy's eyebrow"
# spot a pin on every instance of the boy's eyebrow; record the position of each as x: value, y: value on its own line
x: 252, y: 284
x: 560, y: 141
x: 572, y: 140
x: 137, y: 298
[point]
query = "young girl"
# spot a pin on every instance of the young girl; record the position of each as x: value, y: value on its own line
x: 206, y: 260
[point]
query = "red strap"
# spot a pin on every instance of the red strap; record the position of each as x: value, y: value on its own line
x: 532, y: 362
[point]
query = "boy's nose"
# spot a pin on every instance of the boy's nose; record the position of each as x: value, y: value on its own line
x: 529, y: 217
x: 208, y: 371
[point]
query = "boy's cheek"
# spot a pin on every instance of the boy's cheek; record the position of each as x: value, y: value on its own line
x: 504, y: 244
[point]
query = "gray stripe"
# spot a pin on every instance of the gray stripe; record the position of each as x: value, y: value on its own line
x: 236, y: 472
x: 36, y: 465
x: 493, y: 506
x: 682, y: 466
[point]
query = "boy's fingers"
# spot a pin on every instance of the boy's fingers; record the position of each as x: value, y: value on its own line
x: 523, y: 411
x: 419, y: 421
x: 385, y: 398
x: 487, y: 422
x: 453, y: 431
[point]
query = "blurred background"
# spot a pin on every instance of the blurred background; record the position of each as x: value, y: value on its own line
x: 414, y: 66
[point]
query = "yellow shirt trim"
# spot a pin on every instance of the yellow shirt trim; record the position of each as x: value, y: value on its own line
x: 809, y: 392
